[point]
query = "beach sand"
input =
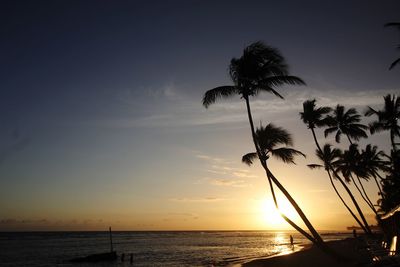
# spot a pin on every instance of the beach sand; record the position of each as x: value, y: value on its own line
x: 314, y: 257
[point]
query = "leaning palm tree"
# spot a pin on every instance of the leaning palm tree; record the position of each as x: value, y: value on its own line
x: 315, y: 117
x: 330, y: 158
x: 350, y: 165
x: 268, y: 139
x: 260, y: 69
x: 347, y: 123
x: 372, y: 161
x: 397, y: 25
x: 388, y: 118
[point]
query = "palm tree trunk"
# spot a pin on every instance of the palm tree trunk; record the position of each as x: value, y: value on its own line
x: 317, y: 238
x: 366, y: 195
x: 355, y: 203
x: 379, y: 186
x: 362, y: 195
x: 353, y: 199
x: 316, y: 140
x: 295, y: 205
x: 345, y: 204
x: 307, y: 235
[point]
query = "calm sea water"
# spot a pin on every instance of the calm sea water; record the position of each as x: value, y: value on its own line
x: 148, y: 248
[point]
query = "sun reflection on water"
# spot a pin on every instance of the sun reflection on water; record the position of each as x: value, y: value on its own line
x: 282, y: 243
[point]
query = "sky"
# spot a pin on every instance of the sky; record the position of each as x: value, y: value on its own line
x: 101, y: 121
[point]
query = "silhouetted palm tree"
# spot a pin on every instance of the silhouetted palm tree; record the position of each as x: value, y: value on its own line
x: 391, y: 183
x: 372, y: 161
x: 314, y: 117
x: 260, y: 68
x: 345, y: 122
x: 388, y: 118
x: 330, y: 158
x: 350, y: 165
x: 397, y: 25
x: 268, y: 139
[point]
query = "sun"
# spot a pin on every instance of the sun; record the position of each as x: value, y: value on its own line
x: 270, y: 215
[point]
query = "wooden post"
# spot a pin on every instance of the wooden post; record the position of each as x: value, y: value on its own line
x: 111, y: 243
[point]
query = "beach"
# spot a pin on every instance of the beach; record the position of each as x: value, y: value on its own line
x: 313, y: 256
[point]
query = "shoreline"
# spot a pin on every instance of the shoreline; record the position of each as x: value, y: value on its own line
x: 298, y: 247
x: 311, y: 255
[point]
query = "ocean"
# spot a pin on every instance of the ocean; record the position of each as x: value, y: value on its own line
x: 178, y: 248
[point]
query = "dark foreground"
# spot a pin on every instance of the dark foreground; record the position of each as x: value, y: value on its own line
x: 350, y: 248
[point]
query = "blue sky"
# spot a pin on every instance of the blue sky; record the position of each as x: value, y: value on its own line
x: 100, y: 102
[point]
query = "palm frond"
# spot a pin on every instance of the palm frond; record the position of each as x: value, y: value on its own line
x: 282, y: 80
x: 376, y: 127
x: 329, y: 131
x: 370, y: 111
x: 269, y: 90
x: 314, y: 166
x: 313, y: 116
x: 286, y: 154
x: 211, y: 96
x: 249, y: 158
x: 270, y: 136
x: 392, y: 24
x: 394, y: 63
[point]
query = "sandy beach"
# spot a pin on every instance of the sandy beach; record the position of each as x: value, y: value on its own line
x: 312, y: 256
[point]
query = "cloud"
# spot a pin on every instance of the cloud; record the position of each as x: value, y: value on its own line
x: 11, y: 222
x: 224, y: 173
x: 182, y: 214
x: 168, y: 106
x: 228, y: 182
x: 197, y: 200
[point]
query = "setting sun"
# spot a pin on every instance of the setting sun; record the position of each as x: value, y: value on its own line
x: 271, y: 216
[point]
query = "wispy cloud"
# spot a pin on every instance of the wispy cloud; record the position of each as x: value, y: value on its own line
x: 170, y: 108
x: 197, y: 200
x: 224, y: 172
x: 227, y: 182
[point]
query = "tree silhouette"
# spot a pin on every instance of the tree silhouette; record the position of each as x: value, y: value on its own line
x: 372, y: 161
x: 345, y: 122
x: 391, y: 184
x: 388, y: 118
x: 268, y: 138
x: 315, y: 117
x: 330, y: 158
x: 351, y: 165
x: 260, y: 69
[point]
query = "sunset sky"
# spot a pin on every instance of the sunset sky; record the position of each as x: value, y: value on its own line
x: 101, y: 121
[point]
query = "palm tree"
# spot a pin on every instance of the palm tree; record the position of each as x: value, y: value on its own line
x: 372, y: 161
x: 391, y: 183
x: 260, y: 69
x: 314, y: 117
x: 397, y: 25
x: 350, y: 165
x: 345, y: 122
x: 268, y: 138
x: 388, y: 118
x: 330, y: 158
